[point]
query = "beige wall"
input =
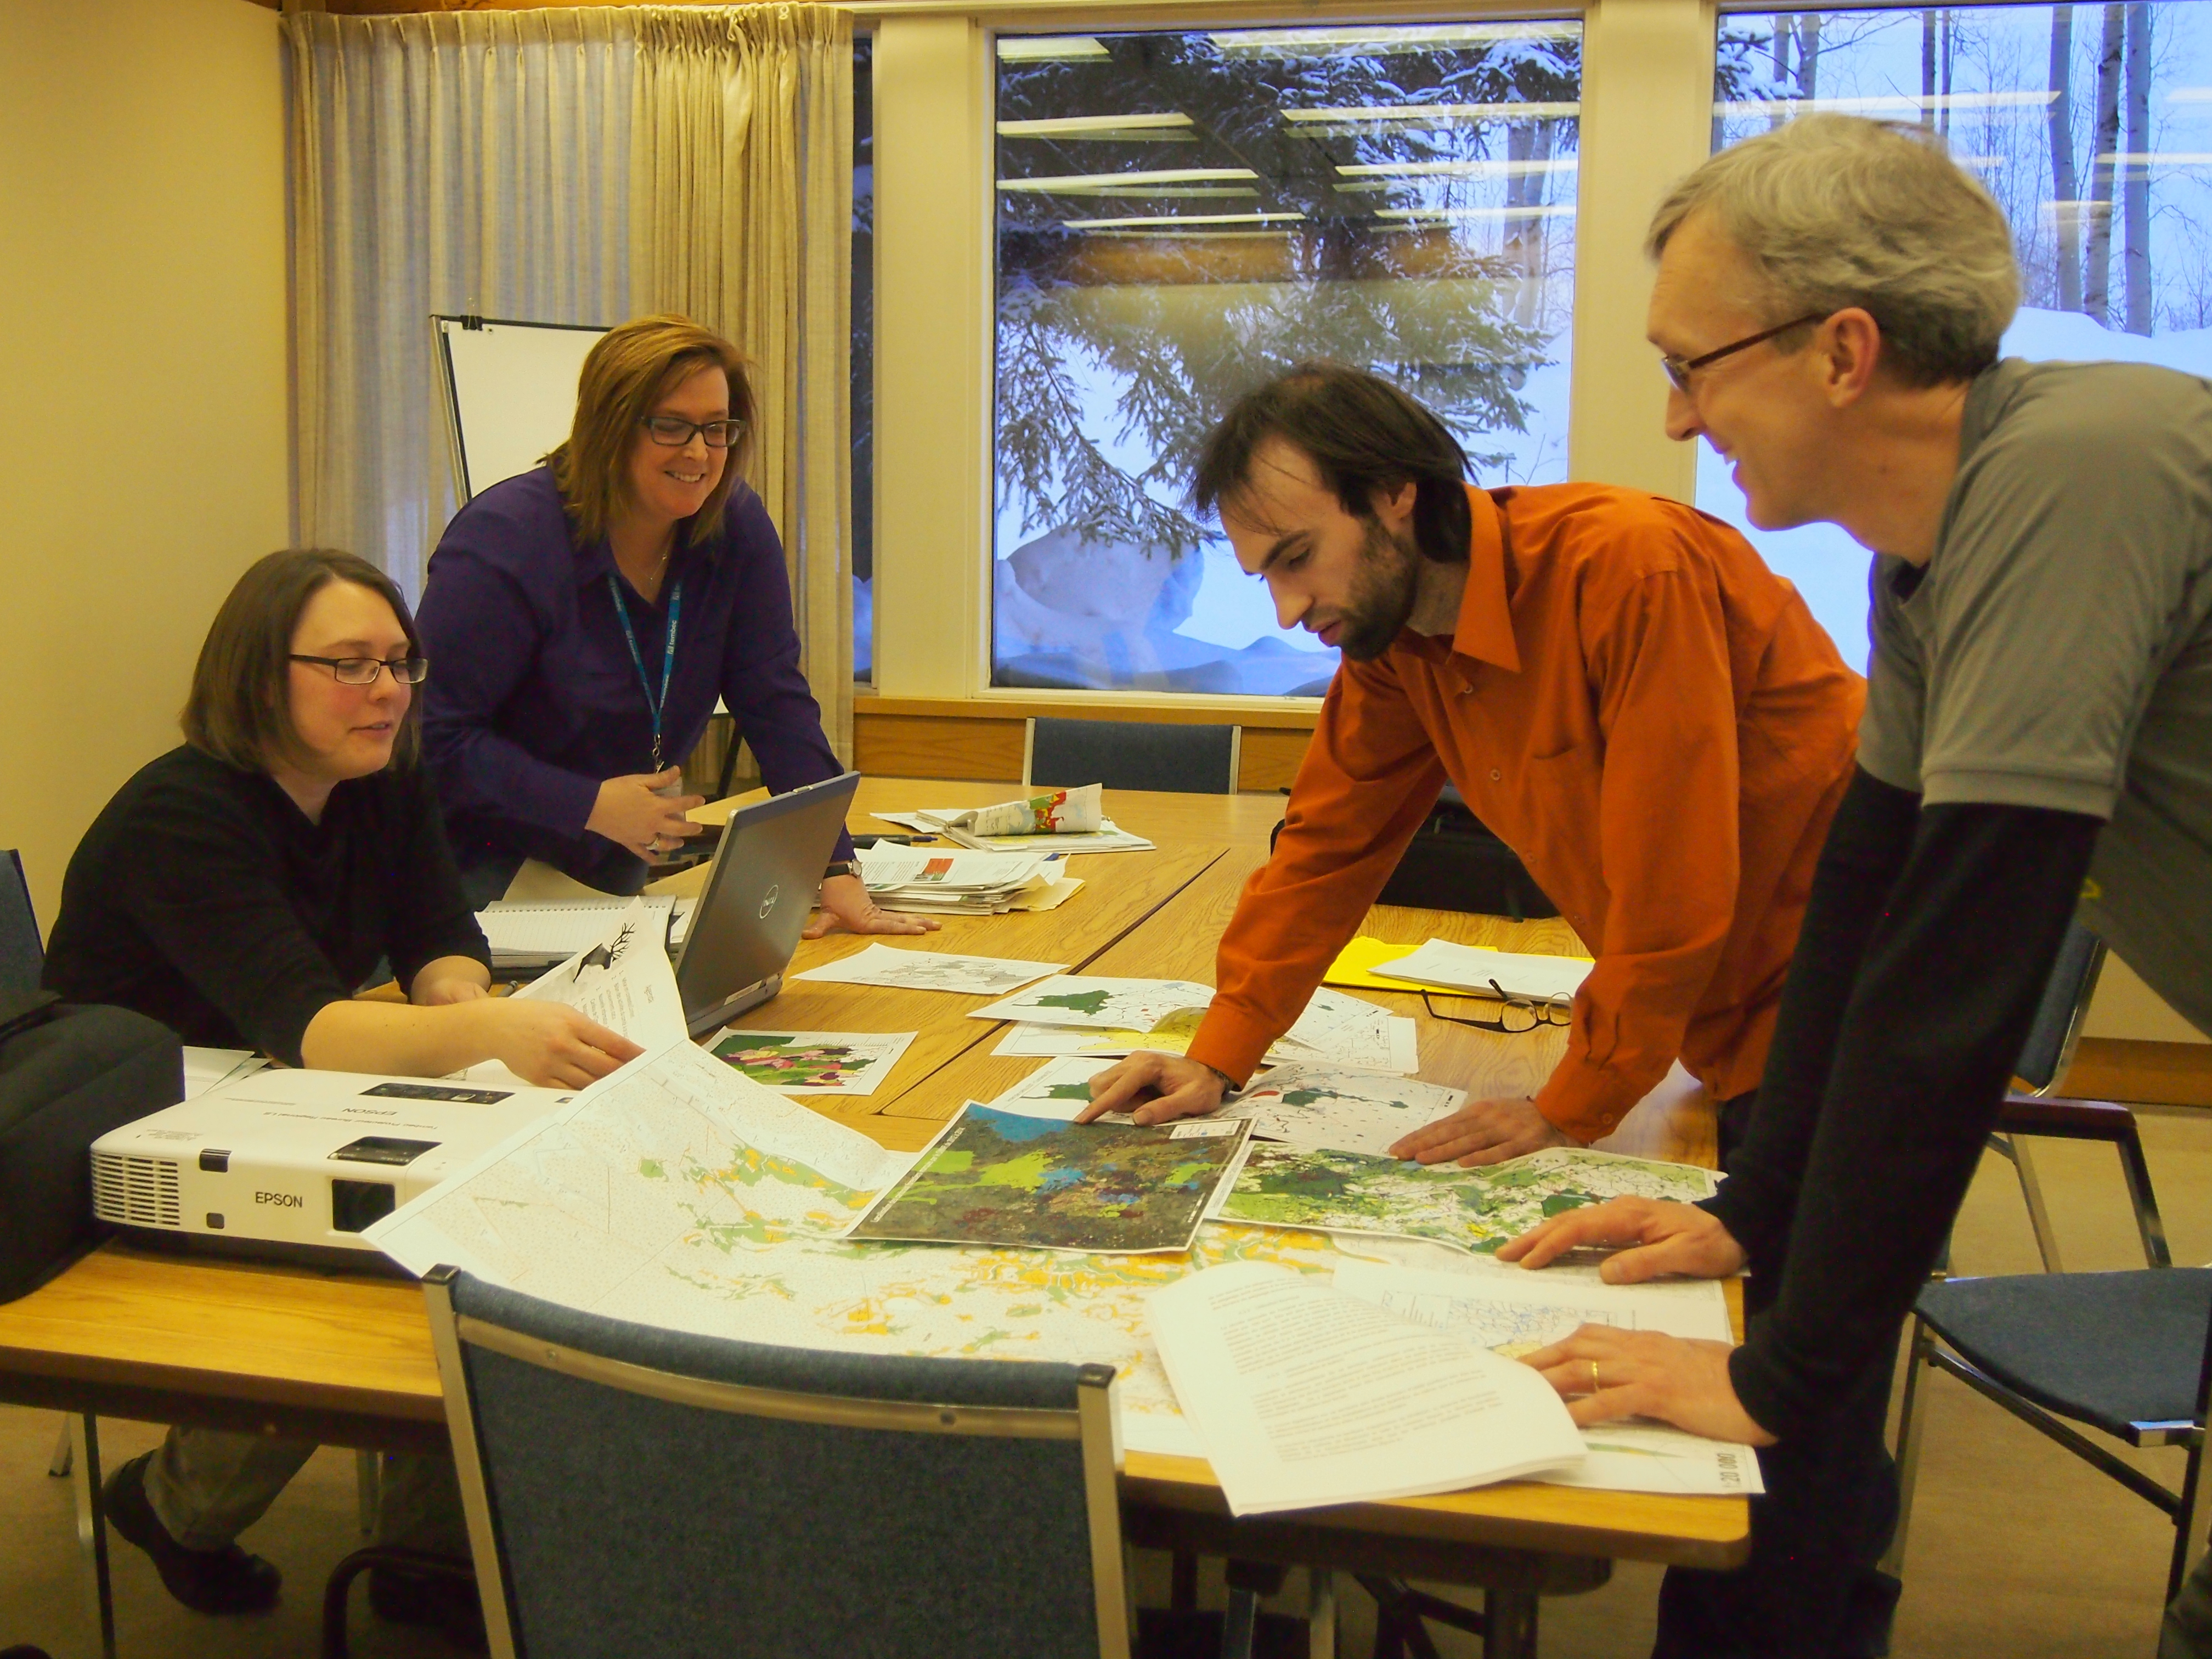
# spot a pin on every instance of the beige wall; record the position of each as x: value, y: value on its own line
x: 143, y: 457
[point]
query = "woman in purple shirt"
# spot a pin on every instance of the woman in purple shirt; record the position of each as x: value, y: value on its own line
x: 585, y: 616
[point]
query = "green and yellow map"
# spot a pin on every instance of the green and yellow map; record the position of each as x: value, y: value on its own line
x: 1332, y: 1191
x: 998, y: 1177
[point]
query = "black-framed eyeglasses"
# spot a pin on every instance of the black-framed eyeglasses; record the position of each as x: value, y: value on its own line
x: 1679, y: 369
x: 671, y: 432
x: 363, y: 671
x: 1517, y: 1016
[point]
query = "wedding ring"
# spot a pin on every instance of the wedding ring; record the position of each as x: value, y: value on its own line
x: 1594, y: 1384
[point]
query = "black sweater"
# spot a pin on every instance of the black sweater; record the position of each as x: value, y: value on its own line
x: 202, y: 897
x: 1929, y: 936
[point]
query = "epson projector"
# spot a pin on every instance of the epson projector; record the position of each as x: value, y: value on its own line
x: 295, y: 1164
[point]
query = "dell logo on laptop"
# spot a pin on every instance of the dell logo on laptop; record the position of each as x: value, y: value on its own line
x: 768, y: 900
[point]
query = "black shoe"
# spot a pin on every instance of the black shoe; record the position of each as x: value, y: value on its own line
x: 227, y: 1580
x: 440, y: 1601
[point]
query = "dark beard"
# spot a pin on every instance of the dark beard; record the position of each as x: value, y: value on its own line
x: 1383, y: 594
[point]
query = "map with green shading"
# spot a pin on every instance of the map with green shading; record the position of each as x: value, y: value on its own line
x: 1477, y: 1210
x: 1084, y: 1002
x: 1002, y: 1178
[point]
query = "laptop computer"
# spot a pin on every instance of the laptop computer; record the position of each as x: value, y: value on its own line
x: 759, y: 890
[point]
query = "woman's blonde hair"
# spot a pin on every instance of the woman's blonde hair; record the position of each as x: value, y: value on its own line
x: 1835, y: 211
x: 240, y: 707
x: 629, y: 371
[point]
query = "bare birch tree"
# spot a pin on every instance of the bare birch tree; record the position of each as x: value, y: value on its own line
x: 2065, y: 188
x: 2135, y: 189
x: 2103, y: 146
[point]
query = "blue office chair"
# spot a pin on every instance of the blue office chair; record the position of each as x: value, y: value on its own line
x: 1195, y: 760
x: 2130, y: 1354
x: 637, y: 1490
x: 22, y: 957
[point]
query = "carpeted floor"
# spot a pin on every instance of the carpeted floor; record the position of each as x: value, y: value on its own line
x: 2016, y: 1548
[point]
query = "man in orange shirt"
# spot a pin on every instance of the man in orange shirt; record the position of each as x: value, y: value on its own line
x: 1620, y: 688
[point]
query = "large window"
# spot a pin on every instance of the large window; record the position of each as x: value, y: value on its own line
x: 2091, y: 125
x: 1180, y: 217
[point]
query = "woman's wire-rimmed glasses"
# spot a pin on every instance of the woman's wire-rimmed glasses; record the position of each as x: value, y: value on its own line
x: 363, y: 671
x: 1679, y: 369
x: 1518, y: 1017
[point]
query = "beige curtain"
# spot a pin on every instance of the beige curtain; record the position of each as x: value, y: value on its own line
x: 477, y: 163
x: 741, y: 209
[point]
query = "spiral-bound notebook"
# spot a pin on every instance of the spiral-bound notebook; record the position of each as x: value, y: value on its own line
x: 540, y: 933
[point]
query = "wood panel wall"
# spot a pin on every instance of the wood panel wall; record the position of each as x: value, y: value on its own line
x: 926, y: 738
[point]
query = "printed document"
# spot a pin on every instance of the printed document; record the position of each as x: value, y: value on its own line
x: 1484, y: 973
x: 623, y: 982
x: 1304, y: 1396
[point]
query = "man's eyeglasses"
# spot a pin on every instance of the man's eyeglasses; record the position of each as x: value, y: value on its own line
x: 1679, y: 369
x: 1518, y: 1016
x: 363, y: 671
x: 671, y: 433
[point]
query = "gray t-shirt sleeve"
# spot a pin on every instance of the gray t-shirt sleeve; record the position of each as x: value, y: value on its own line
x: 2036, y: 632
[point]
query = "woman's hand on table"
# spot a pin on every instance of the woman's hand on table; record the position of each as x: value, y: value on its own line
x: 552, y: 1044
x: 1483, y: 1132
x: 847, y: 908
x: 632, y: 811
x: 1604, y: 1373
x: 1653, y: 1237
x: 1168, y: 1086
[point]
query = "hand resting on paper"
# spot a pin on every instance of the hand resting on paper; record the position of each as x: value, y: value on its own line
x: 1653, y: 1236
x: 1155, y: 1088
x: 847, y: 908
x: 551, y: 1044
x: 1483, y: 1132
x: 1604, y: 1373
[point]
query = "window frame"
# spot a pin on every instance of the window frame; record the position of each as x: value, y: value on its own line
x: 1646, y: 120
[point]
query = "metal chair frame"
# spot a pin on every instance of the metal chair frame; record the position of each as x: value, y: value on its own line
x: 1091, y: 1423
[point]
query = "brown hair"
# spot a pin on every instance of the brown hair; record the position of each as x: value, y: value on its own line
x: 240, y: 709
x: 631, y: 369
x: 1363, y: 434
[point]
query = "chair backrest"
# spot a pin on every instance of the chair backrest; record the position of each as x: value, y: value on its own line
x: 1196, y: 760
x: 2050, y: 1046
x: 22, y: 959
x: 634, y: 1490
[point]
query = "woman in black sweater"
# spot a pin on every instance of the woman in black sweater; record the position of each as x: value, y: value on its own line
x: 239, y: 888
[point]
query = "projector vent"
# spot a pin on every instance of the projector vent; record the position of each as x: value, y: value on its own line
x: 138, y: 1191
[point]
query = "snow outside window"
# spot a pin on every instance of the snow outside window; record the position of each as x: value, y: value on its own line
x: 2091, y: 125
x: 1181, y: 217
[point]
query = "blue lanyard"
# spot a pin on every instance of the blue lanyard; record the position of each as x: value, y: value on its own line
x: 653, y: 705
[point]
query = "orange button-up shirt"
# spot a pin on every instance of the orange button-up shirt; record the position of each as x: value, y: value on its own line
x: 1644, y: 712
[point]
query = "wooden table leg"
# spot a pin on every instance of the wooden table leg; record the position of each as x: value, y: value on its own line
x: 1321, y: 1613
x: 92, y: 1525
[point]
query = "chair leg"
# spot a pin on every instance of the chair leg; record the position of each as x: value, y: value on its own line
x: 92, y: 1527
x: 2190, y: 1520
x: 2038, y: 1215
x: 1250, y: 1583
x: 1182, y: 1582
x: 1511, y: 1618
x: 1910, y: 1424
x: 64, y: 1457
x: 2149, y: 1222
x: 367, y: 1485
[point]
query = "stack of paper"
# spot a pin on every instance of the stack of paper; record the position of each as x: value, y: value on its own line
x: 1072, y: 818
x: 964, y: 884
x: 537, y: 935
x: 897, y: 968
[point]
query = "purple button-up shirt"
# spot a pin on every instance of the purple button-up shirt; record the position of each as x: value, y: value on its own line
x: 533, y: 699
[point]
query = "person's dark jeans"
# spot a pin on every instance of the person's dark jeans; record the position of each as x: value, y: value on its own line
x: 1811, y: 1588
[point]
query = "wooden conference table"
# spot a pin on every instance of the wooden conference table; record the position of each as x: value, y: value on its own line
x: 345, y: 1358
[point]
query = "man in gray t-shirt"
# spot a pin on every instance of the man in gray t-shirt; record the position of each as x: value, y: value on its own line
x: 2037, y: 740
x: 2055, y: 651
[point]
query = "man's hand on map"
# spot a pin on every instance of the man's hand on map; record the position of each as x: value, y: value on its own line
x: 1605, y: 1373
x: 847, y: 908
x: 1169, y: 1086
x: 1483, y: 1132
x: 1662, y: 1237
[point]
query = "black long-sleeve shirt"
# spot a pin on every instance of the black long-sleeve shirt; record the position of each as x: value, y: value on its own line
x: 202, y: 897
x: 1929, y: 936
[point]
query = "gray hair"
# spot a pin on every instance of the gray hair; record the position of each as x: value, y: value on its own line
x: 1833, y: 212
